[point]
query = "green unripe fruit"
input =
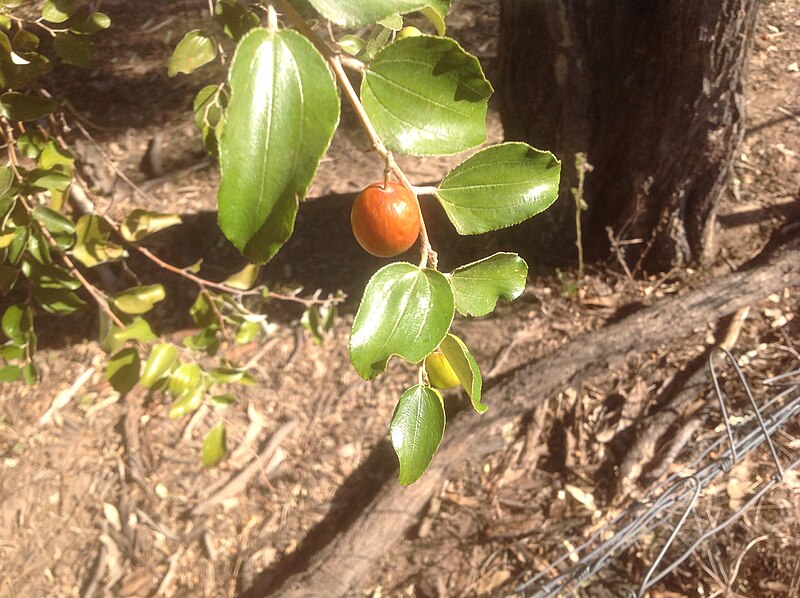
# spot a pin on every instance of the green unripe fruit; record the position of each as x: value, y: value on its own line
x: 441, y: 374
x: 408, y: 32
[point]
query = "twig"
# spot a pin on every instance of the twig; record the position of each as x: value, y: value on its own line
x: 65, y: 396
x: 240, y: 481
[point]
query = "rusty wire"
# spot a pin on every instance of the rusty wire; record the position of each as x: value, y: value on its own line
x: 669, y: 503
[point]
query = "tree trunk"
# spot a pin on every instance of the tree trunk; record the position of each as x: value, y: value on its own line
x: 652, y: 93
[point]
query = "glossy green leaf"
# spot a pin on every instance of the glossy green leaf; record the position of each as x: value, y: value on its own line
x: 160, y: 362
x: 122, y: 370
x: 223, y: 400
x: 247, y: 332
x: 138, y: 300
x: 52, y: 155
x: 202, y: 312
x: 393, y: 22
x: 8, y: 277
x: 10, y: 373
x: 215, y: 445
x: 20, y: 107
x: 498, y: 187
x: 352, y: 44
x: 283, y: 111
x: 416, y: 431
x: 425, y: 95
x: 436, y: 16
x: 405, y: 311
x: 186, y: 377
x: 92, y: 245
x: 6, y: 181
x: 465, y: 367
x: 74, y: 49
x: 58, y: 301
x: 31, y: 144
x: 58, y: 11
x: 188, y: 403
x: 228, y: 375
x: 478, y: 286
x: 245, y: 278
x: 193, y: 51
x: 56, y: 178
x: 18, y: 244
x: 112, y: 337
x: 208, y: 107
x: 54, y: 222
x: 11, y: 352
x: 16, y: 323
x: 141, y: 223
x: 49, y: 276
x: 236, y: 19
x: 354, y: 13
x: 206, y: 340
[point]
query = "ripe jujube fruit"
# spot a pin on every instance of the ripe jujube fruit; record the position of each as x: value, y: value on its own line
x: 441, y: 374
x: 385, y: 219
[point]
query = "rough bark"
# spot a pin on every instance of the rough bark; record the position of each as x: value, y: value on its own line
x: 350, y: 555
x: 651, y: 92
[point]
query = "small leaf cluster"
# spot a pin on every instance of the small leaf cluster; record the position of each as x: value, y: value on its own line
x: 420, y: 94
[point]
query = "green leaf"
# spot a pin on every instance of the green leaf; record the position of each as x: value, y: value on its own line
x: 52, y: 155
x: 20, y: 107
x: 247, y: 332
x: 392, y: 22
x: 6, y: 181
x: 478, y: 286
x: 11, y: 352
x: 416, y: 431
x: 436, y: 14
x: 202, y: 312
x: 186, y: 404
x: 209, y: 104
x: 405, y: 311
x: 10, y: 373
x: 498, y: 187
x: 25, y: 41
x: 138, y: 300
x: 58, y: 11
x: 193, y: 51
x: 236, y: 20
x: 162, y: 357
x: 58, y: 301
x: 425, y: 95
x: 215, y: 445
x: 17, y: 322
x: 228, y: 375
x: 223, y: 400
x: 31, y: 144
x: 74, y: 49
x: 352, y: 44
x: 115, y: 337
x: 57, y: 178
x: 245, y: 278
x: 94, y: 22
x: 283, y: 111
x: 186, y: 378
x: 141, y: 223
x: 122, y: 370
x: 30, y: 373
x: 8, y: 277
x: 49, y: 276
x: 92, y: 246
x: 465, y: 367
x: 354, y: 13
x: 54, y: 222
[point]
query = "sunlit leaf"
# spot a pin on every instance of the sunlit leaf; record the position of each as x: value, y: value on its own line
x: 138, y: 300
x: 416, y: 431
x: 498, y: 187
x: 160, y: 362
x: 122, y: 370
x: 215, y: 445
x: 141, y: 223
x: 405, y: 311
x: 478, y: 286
x: 245, y: 278
x: 465, y: 367
x: 193, y: 51
x: 58, y: 11
x: 283, y: 110
x: 425, y: 95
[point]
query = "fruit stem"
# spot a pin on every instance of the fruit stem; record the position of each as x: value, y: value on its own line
x: 428, y: 257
